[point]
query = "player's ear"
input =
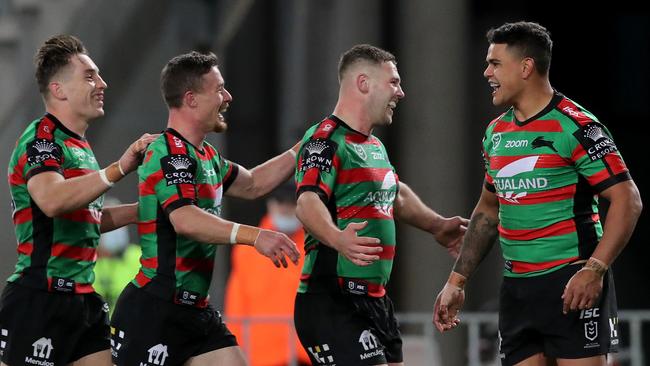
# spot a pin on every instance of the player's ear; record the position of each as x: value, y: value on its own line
x: 527, y: 67
x: 56, y: 90
x: 189, y: 99
x: 363, y: 83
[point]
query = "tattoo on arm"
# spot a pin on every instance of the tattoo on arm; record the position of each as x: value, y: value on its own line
x: 479, y: 239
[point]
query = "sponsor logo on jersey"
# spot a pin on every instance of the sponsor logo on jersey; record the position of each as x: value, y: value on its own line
x: 540, y: 142
x: 590, y: 313
x: 116, y: 340
x: 318, y: 154
x: 613, y: 331
x: 157, y: 355
x: 4, y: 333
x: 356, y: 287
x: 596, y: 143
x: 515, y: 143
x: 42, y: 350
x: 360, y: 151
x: 178, y: 169
x: 496, y: 140
x: 41, y: 150
x: 383, y: 199
x: 511, y: 188
x: 369, y: 343
x: 321, y: 355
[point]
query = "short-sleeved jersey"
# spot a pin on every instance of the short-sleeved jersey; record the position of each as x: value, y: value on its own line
x: 174, y: 174
x: 355, y: 180
x: 53, y: 252
x: 547, y: 173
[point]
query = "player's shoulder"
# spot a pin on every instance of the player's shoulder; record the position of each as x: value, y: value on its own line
x: 505, y: 117
x: 573, y: 114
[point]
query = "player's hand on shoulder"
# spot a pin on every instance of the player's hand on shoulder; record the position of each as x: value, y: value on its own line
x: 277, y: 247
x: 360, y: 250
x: 134, y: 153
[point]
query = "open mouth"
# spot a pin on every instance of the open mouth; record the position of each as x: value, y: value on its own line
x: 495, y: 86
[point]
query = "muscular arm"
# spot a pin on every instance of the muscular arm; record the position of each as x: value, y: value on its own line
x: 480, y: 235
x: 254, y: 183
x: 117, y: 216
x: 317, y: 220
x: 624, y: 210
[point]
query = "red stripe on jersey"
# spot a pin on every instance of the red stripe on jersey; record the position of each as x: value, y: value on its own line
x: 72, y: 142
x: 544, y: 161
x: 559, y: 228
x: 84, y: 215
x: 146, y: 227
x: 387, y: 253
x: 615, y: 163
x: 149, y: 262
x: 22, y: 216
x: 16, y: 177
x: 573, y: 111
x: 325, y: 129
x: 534, y: 126
x: 598, y: 177
x: 489, y: 179
x: 170, y: 200
x: 552, y: 195
x: 578, y: 153
x: 148, y: 187
x: 355, y: 175
x: 71, y: 173
x: 357, y: 138
x: 364, y: 212
x: 25, y: 248
x: 208, y: 191
x: 141, y: 279
x: 72, y: 252
x: 374, y: 289
x: 194, y: 264
x: 525, y: 267
x: 147, y: 156
x: 45, y: 129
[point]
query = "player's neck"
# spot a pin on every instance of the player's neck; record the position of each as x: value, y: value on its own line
x: 70, y: 120
x: 532, y: 101
x: 354, y: 116
x: 189, y: 130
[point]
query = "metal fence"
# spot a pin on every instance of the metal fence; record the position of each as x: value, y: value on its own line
x: 479, y: 328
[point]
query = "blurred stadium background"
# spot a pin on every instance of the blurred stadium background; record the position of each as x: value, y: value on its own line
x: 279, y: 61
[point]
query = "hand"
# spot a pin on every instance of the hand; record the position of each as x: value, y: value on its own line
x: 133, y: 155
x: 447, y: 306
x: 277, y: 246
x: 449, y: 233
x: 582, y: 291
x: 360, y: 250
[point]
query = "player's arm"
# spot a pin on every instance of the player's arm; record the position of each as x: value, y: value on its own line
x: 625, y: 206
x: 56, y: 195
x: 196, y: 224
x: 316, y: 219
x: 410, y: 209
x: 255, y: 183
x: 115, y: 217
x: 479, y: 239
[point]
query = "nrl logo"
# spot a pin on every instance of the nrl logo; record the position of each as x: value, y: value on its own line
x: 591, y: 330
x: 496, y: 140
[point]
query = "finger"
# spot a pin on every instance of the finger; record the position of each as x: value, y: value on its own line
x: 367, y: 249
x: 366, y: 257
x: 463, y: 228
x: 574, y: 302
x: 282, y: 259
x: 366, y: 240
x: 359, y: 262
x: 567, y: 297
x: 356, y: 226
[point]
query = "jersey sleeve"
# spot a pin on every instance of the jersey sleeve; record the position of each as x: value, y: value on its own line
x: 317, y: 166
x: 170, y: 177
x: 596, y: 156
x: 488, y: 180
x: 229, y: 172
x: 42, y: 155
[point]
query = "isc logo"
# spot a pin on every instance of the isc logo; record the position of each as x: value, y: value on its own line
x: 589, y: 313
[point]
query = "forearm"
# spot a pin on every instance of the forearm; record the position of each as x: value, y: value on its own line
x: 410, y: 209
x: 316, y: 219
x: 117, y: 216
x: 478, y: 241
x: 265, y: 177
x: 56, y: 195
x: 622, y: 217
x: 196, y: 224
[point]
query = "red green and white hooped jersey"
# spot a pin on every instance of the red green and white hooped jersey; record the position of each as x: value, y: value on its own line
x: 547, y: 173
x: 60, y: 252
x: 174, y: 174
x: 355, y: 180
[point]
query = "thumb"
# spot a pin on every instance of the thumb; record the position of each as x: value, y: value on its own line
x: 356, y: 226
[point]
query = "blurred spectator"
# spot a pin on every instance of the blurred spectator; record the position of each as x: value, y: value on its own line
x: 256, y: 288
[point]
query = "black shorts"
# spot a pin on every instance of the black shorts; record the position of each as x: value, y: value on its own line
x: 49, y: 328
x: 346, y: 329
x: 531, y: 319
x: 147, y: 330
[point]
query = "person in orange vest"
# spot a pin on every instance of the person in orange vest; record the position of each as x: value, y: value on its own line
x: 257, y: 289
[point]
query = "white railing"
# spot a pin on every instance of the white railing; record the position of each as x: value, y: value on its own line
x: 631, y: 348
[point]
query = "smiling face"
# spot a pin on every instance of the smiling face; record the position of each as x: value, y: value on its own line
x: 386, y: 92
x: 82, y: 87
x: 504, y: 74
x: 212, y: 100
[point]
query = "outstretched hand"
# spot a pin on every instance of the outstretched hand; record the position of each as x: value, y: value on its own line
x: 277, y: 246
x: 449, y: 233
